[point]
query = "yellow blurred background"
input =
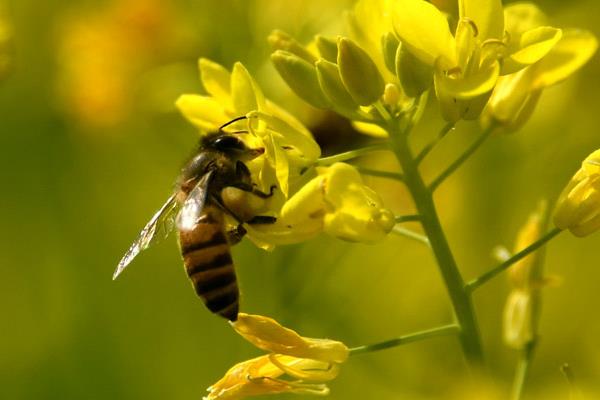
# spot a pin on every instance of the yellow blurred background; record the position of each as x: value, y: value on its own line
x: 91, y: 145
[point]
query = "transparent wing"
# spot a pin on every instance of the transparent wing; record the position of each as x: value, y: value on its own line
x: 157, y: 228
x: 191, y: 211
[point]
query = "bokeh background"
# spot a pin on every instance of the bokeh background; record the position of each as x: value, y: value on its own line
x: 90, y: 145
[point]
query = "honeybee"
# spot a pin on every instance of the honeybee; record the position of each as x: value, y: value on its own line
x: 197, y: 208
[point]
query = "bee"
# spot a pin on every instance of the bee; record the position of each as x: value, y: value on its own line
x: 197, y: 208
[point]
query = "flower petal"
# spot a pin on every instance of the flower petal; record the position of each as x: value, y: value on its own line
x: 470, y: 86
x: 424, y: 29
x: 532, y: 47
x: 216, y: 80
x: 487, y: 15
x: 246, y: 94
x: 204, y: 112
x: 267, y: 334
x: 574, y: 50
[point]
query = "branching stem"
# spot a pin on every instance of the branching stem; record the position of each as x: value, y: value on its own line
x: 477, y: 282
x: 445, y: 330
x: 381, y: 174
x: 522, y: 370
x: 349, y: 155
x: 423, y: 198
x: 445, y: 130
x: 462, y: 158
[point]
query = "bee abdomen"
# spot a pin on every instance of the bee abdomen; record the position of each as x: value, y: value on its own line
x: 209, y: 265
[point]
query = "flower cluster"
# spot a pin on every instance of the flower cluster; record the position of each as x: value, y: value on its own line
x: 521, y: 312
x: 578, y: 208
x: 6, y: 35
x: 396, y: 50
x: 308, y: 363
x: 335, y: 202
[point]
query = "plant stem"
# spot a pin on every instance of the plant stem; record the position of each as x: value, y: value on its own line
x: 423, y: 198
x: 445, y: 330
x: 381, y: 174
x: 398, y: 230
x: 522, y: 370
x: 463, y: 157
x: 477, y: 282
x: 349, y: 155
x: 407, y: 218
x: 445, y: 130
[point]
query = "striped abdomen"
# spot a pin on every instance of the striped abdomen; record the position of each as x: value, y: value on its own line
x: 208, y: 263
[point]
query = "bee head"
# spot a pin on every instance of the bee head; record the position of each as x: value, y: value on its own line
x: 231, y: 146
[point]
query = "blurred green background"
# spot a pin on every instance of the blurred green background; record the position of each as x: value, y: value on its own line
x: 91, y: 144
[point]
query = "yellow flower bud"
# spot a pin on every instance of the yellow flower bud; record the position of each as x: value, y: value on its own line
x: 333, y: 87
x: 521, y: 314
x: 578, y: 207
x: 415, y: 76
x: 279, y: 40
x: 327, y: 48
x: 301, y: 77
x: 527, y: 272
x: 389, y: 45
x: 359, y: 73
x: 354, y: 212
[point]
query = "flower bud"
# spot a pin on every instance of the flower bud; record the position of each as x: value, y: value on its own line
x: 279, y: 40
x: 354, y: 212
x: 301, y: 77
x: 389, y: 45
x: 391, y: 95
x: 520, y: 318
x: 527, y: 272
x: 578, y: 207
x: 327, y: 48
x: 359, y: 73
x: 333, y: 87
x: 415, y: 76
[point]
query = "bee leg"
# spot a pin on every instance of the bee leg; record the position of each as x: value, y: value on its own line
x: 235, y: 234
x: 251, y: 189
x: 261, y: 220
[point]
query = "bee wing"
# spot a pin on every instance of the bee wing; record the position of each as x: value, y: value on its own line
x: 191, y: 211
x: 159, y: 227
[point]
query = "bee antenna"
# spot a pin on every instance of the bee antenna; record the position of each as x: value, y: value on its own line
x: 231, y: 122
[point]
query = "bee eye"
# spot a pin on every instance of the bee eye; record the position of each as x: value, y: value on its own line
x: 227, y: 143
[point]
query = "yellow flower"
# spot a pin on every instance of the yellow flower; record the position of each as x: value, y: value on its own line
x: 468, y: 63
x: 6, y: 36
x: 522, y: 309
x: 289, y: 147
x: 515, y: 96
x: 521, y: 314
x: 335, y: 202
x: 526, y: 272
x: 295, y: 364
x: 578, y: 207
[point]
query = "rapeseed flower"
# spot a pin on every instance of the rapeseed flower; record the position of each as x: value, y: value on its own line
x: 522, y: 308
x: 578, y: 207
x: 515, y: 96
x: 467, y: 65
x: 335, y: 202
x: 295, y: 364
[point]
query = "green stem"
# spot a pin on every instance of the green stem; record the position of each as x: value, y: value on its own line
x: 407, y: 218
x: 400, y: 231
x: 445, y: 130
x: 477, y: 282
x: 381, y: 174
x: 522, y: 370
x: 463, y: 157
x: 349, y: 155
x: 413, y: 337
x: 423, y: 198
